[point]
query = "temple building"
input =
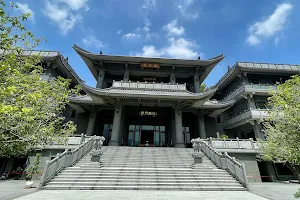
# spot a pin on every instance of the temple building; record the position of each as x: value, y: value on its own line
x: 158, y: 102
x: 147, y: 100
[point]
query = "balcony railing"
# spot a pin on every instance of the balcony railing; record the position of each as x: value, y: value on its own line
x: 250, y: 88
x: 247, y: 114
x: 237, y: 143
x: 148, y: 85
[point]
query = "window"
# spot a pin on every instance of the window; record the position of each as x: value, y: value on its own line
x: 73, y: 114
x: 254, y: 80
x: 218, y: 119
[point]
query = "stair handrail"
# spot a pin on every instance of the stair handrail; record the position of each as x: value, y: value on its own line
x: 226, y: 162
x: 65, y: 159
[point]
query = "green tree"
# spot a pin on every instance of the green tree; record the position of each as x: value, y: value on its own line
x: 31, y: 109
x: 283, y: 128
x: 202, y: 87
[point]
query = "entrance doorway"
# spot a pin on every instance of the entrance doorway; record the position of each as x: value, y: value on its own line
x: 147, y: 136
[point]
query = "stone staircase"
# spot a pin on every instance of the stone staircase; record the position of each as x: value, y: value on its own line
x: 144, y: 168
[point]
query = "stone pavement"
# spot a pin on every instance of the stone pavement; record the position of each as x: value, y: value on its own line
x: 139, y: 194
x: 275, y: 191
x: 11, y: 189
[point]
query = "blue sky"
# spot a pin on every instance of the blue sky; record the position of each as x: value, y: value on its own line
x: 243, y: 30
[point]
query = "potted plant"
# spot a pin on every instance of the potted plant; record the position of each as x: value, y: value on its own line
x: 32, y: 170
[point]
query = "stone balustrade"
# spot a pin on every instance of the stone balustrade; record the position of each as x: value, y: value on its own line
x: 255, y: 114
x: 148, y: 85
x: 237, y: 143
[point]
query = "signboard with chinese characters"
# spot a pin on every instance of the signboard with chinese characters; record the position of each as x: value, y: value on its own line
x: 150, y: 65
x: 149, y: 79
x: 147, y: 113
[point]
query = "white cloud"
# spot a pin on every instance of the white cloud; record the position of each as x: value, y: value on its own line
x: 181, y: 48
x: 24, y: 8
x: 119, y: 32
x: 270, y: 26
x: 184, y: 7
x: 177, y: 48
x: 92, y: 41
x: 131, y: 36
x: 173, y: 29
x: 64, y: 13
x: 151, y: 51
x: 76, y: 4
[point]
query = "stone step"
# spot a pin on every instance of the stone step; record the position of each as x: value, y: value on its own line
x: 144, y: 169
x: 178, y: 180
x: 186, y: 188
x: 146, y: 174
x: 133, y: 183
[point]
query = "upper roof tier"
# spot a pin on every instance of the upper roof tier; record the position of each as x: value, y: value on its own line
x: 54, y: 57
x: 203, y: 67
x: 253, y: 67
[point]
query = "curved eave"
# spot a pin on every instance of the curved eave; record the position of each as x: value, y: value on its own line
x: 218, y: 104
x: 83, y: 54
x: 211, y: 67
x: 145, y: 94
x: 88, y: 57
x: 68, y: 70
x: 218, y: 107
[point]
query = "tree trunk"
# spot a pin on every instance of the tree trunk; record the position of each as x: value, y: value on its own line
x: 296, y: 170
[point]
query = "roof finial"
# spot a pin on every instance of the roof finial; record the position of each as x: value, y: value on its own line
x: 198, y: 57
x: 67, y: 59
x: 100, y: 52
x: 228, y: 68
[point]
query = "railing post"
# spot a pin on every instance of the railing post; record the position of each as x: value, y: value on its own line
x: 57, y: 163
x: 210, y: 141
x: 234, y: 164
x: 225, y: 145
x: 44, y: 175
x: 252, y: 143
x: 225, y: 156
x: 82, y: 138
x: 245, y: 176
x: 238, y: 142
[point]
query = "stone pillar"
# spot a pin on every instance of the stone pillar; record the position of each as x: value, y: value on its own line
x: 172, y: 77
x: 258, y: 134
x: 173, y: 132
x: 178, y: 128
x: 100, y: 79
x: 126, y: 73
x: 91, y: 124
x: 251, y: 102
x: 196, y: 83
x: 201, y: 126
x: 115, y: 133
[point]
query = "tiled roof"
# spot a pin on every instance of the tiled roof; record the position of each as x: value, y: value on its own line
x: 146, y: 93
x: 257, y: 67
x: 51, y: 56
x: 217, y: 104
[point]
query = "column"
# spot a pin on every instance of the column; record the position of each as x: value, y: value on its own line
x: 196, y: 83
x: 178, y: 128
x: 172, y: 133
x: 126, y: 73
x: 258, y: 134
x: 201, y: 126
x: 91, y: 124
x: 115, y: 133
x: 251, y: 102
x: 172, y: 77
x: 100, y: 79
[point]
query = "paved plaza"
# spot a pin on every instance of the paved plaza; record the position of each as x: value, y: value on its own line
x: 12, y: 189
x: 275, y: 191
x: 139, y: 194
